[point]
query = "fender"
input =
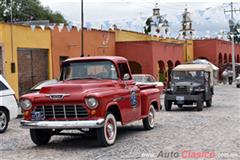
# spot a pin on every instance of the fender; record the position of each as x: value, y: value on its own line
x: 158, y: 105
x: 114, y: 104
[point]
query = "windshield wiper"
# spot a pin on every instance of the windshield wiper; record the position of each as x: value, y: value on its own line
x: 90, y: 78
x: 81, y: 78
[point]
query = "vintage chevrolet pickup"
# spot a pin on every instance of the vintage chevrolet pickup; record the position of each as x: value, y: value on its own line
x: 93, y: 93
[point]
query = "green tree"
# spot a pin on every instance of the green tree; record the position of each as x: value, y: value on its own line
x: 25, y: 10
x: 237, y: 33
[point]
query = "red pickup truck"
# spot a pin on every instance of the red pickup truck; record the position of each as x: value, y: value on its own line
x: 93, y: 93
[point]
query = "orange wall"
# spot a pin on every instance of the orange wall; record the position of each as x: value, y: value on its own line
x: 149, y: 53
x: 212, y: 48
x: 65, y: 43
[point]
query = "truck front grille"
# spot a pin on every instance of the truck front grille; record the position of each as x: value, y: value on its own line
x: 62, y: 111
x: 181, y: 90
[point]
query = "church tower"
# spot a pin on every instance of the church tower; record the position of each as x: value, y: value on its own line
x: 186, y: 32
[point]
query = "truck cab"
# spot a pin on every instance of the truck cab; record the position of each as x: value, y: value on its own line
x: 93, y: 93
x: 190, y: 84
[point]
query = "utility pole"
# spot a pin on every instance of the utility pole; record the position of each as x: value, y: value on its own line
x: 232, y: 35
x: 11, y: 32
x: 82, y: 32
x: 232, y: 10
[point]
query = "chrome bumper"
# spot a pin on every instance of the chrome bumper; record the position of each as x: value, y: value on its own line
x: 62, y: 124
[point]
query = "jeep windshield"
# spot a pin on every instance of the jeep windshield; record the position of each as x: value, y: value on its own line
x: 79, y: 70
x: 188, y: 76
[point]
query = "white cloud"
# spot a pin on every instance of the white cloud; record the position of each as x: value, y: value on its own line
x: 131, y: 14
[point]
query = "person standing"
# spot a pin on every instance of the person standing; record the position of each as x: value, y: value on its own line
x: 225, y: 76
x: 230, y: 77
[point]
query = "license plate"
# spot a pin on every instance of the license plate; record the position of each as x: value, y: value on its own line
x: 38, y: 116
x: 180, y: 98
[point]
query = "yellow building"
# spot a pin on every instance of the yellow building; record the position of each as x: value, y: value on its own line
x: 25, y: 56
x: 127, y: 36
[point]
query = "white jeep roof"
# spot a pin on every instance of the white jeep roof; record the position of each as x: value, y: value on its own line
x: 193, y: 67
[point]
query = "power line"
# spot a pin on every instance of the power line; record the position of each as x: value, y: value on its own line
x: 232, y: 10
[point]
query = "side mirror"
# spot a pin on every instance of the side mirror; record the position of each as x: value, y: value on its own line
x: 126, y: 76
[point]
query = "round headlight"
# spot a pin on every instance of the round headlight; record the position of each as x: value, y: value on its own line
x: 172, y: 87
x: 191, y: 89
x: 91, y: 102
x: 25, y: 104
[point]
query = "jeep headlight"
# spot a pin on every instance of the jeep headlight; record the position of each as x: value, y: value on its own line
x: 191, y: 89
x: 25, y: 104
x: 172, y: 87
x: 91, y: 102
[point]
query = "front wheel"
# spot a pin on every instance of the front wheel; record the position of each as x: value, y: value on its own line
x: 40, y: 136
x: 168, y: 105
x: 108, y: 133
x: 180, y: 105
x: 3, y: 120
x: 209, y: 102
x: 148, y: 122
x: 200, y: 105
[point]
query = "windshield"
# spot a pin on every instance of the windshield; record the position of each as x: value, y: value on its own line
x: 138, y: 78
x: 144, y: 79
x: 192, y: 76
x: 89, y: 70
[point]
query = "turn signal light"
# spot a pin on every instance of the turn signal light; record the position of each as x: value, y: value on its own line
x: 26, y: 115
x: 93, y: 112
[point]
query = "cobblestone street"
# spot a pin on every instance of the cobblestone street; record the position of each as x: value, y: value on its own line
x: 215, y: 129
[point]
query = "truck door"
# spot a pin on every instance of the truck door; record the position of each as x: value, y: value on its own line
x: 131, y: 105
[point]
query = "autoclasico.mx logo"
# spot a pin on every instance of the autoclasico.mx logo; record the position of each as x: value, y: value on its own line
x: 190, y: 154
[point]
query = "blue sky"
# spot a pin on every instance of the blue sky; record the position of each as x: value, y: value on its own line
x: 208, y: 16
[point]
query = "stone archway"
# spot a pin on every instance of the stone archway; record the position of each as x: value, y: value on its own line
x: 220, y: 60
x: 230, y: 58
x: 136, y: 67
x: 203, y: 58
x: 225, y: 58
x: 161, y: 71
x: 177, y: 63
x: 170, y: 67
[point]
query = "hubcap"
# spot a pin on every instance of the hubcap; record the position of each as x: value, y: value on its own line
x: 3, y: 120
x: 110, y: 129
x: 151, y: 117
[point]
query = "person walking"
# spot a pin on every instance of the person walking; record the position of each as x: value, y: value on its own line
x: 225, y: 76
x: 230, y: 77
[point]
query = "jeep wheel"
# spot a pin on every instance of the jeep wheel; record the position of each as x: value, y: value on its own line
x: 199, y: 105
x: 107, y: 134
x: 238, y: 86
x: 209, y: 102
x: 3, y: 120
x: 40, y: 136
x: 148, y: 122
x: 180, y: 105
x: 168, y: 105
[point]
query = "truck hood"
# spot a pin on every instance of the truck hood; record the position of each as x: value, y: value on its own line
x: 78, y: 86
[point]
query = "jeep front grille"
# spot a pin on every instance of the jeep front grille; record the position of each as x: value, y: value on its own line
x: 62, y: 111
x: 181, y: 89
